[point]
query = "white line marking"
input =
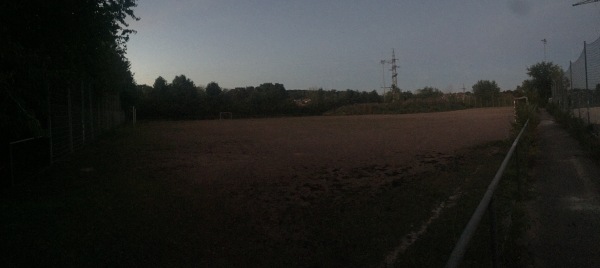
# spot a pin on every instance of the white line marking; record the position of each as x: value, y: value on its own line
x: 414, y: 235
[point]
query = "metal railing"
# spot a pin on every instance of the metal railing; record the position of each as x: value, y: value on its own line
x: 27, y: 156
x: 486, y: 204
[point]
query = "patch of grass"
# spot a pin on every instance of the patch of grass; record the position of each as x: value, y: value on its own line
x: 434, y: 248
x: 577, y: 128
x: 406, y: 107
x: 516, y: 191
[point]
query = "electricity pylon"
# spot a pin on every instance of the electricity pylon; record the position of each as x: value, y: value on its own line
x: 394, y: 71
x: 394, y: 88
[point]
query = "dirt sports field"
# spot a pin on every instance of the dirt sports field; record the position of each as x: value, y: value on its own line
x: 339, y: 191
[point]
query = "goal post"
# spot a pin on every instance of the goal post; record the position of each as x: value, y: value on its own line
x: 516, y: 105
x: 225, y: 115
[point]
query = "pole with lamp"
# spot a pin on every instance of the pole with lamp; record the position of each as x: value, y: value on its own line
x: 544, y: 41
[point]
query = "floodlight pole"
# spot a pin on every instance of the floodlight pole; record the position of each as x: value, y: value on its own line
x: 544, y: 41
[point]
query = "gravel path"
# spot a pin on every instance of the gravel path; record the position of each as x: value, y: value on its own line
x: 565, y: 212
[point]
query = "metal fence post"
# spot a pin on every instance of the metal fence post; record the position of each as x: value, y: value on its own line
x: 518, y: 172
x: 70, y: 118
x: 49, y: 100
x: 133, y: 115
x: 461, y: 245
x: 12, y: 168
x: 578, y: 103
x: 82, y: 113
x: 493, y: 234
x: 92, y: 121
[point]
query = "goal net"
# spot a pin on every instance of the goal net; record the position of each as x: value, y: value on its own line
x: 225, y: 115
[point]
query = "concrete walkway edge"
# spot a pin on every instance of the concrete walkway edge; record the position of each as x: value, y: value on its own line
x: 565, y: 210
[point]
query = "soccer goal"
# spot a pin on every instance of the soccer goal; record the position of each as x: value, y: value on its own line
x: 225, y: 115
x: 517, y: 104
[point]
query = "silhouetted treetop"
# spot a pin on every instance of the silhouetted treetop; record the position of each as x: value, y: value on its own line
x: 542, y: 76
x: 62, y: 43
x: 213, y: 89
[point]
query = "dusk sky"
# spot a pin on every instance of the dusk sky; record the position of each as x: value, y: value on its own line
x: 338, y: 44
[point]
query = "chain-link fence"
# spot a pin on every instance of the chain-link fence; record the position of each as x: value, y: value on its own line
x: 75, y: 114
x: 579, y: 92
x: 78, y: 114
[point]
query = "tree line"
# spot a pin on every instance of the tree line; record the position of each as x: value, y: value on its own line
x: 67, y: 43
x: 183, y: 99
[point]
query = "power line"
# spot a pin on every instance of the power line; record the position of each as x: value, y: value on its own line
x: 585, y: 2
